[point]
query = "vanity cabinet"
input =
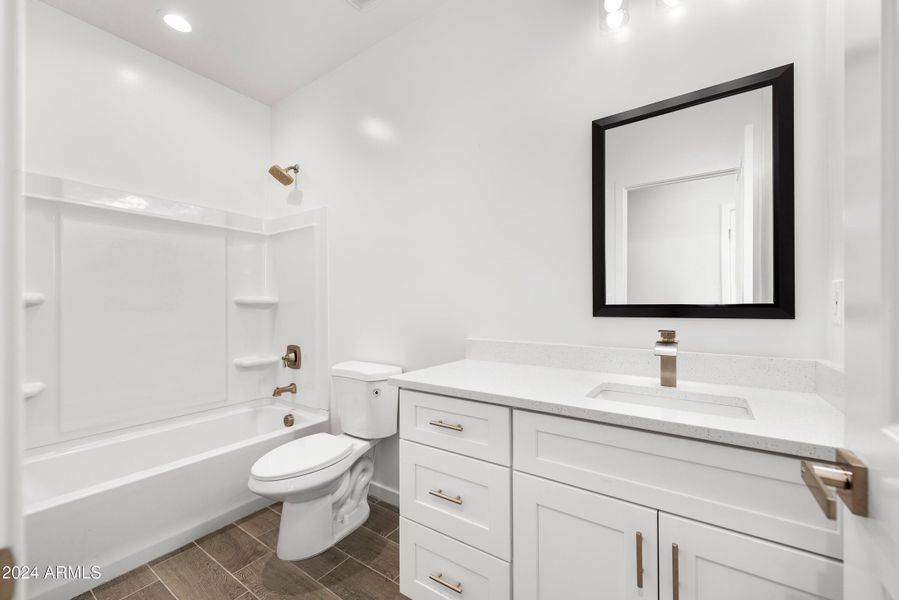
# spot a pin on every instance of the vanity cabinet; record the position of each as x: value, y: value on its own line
x: 571, y: 543
x: 498, y: 503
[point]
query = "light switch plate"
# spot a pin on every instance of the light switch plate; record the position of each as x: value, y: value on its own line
x: 836, y: 302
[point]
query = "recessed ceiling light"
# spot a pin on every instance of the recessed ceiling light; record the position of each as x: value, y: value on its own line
x: 177, y: 22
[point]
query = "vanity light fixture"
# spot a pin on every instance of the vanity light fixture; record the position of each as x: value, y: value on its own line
x: 177, y: 22
x: 614, y: 14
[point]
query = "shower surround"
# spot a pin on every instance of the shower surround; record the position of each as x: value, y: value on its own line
x: 144, y: 315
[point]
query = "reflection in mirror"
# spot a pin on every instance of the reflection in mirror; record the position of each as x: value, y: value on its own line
x: 692, y: 217
x: 689, y: 201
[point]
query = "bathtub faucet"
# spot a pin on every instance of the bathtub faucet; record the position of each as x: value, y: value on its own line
x: 292, y: 388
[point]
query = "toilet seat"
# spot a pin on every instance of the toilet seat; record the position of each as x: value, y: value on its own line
x: 301, y: 456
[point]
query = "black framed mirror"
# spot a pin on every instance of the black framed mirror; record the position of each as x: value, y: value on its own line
x: 693, y: 204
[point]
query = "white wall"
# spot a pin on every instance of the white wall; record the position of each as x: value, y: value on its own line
x: 105, y: 112
x: 147, y: 327
x: 835, y: 128
x: 455, y: 161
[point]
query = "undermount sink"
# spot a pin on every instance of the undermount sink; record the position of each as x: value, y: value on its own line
x: 709, y: 404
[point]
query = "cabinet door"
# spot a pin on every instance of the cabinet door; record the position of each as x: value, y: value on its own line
x: 714, y: 563
x: 577, y: 545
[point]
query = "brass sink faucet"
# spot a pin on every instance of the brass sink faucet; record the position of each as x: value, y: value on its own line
x: 292, y: 388
x: 666, y: 348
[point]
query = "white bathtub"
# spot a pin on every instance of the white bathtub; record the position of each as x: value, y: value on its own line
x: 126, y: 499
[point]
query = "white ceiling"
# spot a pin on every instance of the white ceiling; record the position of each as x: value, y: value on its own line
x: 265, y: 49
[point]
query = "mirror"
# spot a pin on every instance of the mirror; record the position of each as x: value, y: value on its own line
x: 693, y: 204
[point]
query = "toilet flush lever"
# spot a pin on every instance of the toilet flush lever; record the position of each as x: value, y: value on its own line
x: 293, y: 358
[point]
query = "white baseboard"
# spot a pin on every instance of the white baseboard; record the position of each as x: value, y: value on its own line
x: 384, y: 493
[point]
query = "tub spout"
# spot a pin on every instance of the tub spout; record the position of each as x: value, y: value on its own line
x: 292, y: 388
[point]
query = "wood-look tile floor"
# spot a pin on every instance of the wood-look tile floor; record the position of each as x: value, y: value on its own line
x: 238, y: 562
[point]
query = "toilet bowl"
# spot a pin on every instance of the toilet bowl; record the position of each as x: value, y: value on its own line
x: 323, y: 479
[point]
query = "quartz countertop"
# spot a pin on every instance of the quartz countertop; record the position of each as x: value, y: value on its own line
x: 786, y: 422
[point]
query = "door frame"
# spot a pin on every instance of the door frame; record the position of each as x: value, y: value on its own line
x: 870, y: 45
x: 12, y: 66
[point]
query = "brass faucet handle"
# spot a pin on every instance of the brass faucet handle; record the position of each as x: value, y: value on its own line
x: 293, y: 358
x: 667, y: 335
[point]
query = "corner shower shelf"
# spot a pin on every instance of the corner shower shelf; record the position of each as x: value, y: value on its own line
x: 262, y: 301
x: 33, y: 299
x: 30, y: 390
x: 251, y: 362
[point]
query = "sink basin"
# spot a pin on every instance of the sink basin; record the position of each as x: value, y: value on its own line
x: 707, y: 404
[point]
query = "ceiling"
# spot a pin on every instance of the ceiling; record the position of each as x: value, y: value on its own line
x: 264, y: 49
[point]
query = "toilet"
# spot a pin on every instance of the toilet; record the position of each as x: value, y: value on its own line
x: 323, y: 479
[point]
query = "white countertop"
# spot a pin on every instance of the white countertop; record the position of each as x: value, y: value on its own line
x: 793, y: 423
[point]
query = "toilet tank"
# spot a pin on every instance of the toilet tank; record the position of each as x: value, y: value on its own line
x: 365, y: 404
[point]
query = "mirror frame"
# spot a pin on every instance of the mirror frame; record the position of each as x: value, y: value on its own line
x: 783, y: 305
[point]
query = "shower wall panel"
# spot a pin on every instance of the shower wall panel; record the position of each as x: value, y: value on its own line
x: 142, y: 322
x: 140, y: 309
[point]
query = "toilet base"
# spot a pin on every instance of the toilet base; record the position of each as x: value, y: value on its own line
x: 311, y: 526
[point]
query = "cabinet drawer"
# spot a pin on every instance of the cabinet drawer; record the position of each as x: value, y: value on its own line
x: 755, y: 492
x: 471, y: 428
x: 462, y: 497
x: 428, y: 558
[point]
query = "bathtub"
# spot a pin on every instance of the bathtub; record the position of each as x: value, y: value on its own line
x: 120, y: 501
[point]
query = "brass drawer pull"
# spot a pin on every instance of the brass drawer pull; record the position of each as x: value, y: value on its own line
x: 440, y: 423
x: 675, y: 573
x: 442, y: 496
x: 456, y: 587
x: 639, y: 560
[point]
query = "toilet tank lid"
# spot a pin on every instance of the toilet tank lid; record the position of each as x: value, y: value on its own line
x: 365, y: 371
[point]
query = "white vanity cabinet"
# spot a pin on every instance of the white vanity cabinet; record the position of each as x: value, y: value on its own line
x: 579, y: 545
x: 500, y: 503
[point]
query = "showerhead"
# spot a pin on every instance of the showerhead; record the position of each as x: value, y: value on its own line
x: 283, y: 174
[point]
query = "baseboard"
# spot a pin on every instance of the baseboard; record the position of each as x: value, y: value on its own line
x: 384, y: 493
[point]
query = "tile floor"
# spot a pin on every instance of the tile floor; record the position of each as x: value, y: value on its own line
x: 238, y: 562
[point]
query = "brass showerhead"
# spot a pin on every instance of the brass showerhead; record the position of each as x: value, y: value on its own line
x: 283, y: 174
